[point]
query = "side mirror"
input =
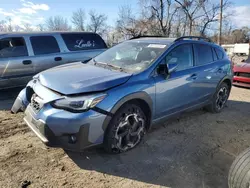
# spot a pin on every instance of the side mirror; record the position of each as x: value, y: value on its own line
x: 172, y: 67
x: 162, y: 69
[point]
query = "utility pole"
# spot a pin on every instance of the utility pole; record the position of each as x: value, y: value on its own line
x: 220, y: 26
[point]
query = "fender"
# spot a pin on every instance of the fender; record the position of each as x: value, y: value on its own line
x: 137, y: 95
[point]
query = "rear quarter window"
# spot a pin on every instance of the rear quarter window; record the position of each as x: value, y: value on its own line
x: 85, y: 41
x: 203, y: 54
x: 219, y: 53
x: 214, y: 54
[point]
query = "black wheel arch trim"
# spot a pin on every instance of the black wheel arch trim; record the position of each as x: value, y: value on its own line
x: 227, y: 77
x: 137, y: 95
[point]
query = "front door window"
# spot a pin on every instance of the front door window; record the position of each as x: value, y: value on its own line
x: 181, y: 55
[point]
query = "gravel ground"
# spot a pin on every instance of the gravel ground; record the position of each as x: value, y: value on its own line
x: 193, y: 150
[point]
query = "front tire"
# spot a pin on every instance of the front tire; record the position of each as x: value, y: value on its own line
x: 126, y: 129
x: 239, y: 173
x: 219, y: 99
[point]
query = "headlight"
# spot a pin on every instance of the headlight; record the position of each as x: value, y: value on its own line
x: 77, y: 104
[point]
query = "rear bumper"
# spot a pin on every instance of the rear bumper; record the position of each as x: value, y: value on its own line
x: 241, y: 81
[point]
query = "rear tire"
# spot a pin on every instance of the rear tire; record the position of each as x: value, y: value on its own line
x: 126, y: 129
x: 219, y: 99
x: 239, y: 173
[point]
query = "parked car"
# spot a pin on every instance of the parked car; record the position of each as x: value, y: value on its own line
x: 242, y: 74
x: 22, y: 55
x: 116, y: 97
x: 239, y: 173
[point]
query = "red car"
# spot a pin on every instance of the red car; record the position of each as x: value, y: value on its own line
x: 242, y: 74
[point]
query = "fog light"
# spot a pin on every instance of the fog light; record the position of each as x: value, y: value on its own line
x: 72, y: 139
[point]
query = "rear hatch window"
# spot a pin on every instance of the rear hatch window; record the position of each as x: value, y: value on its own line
x: 83, y: 41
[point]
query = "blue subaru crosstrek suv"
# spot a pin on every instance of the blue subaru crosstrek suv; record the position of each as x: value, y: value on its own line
x: 117, y: 96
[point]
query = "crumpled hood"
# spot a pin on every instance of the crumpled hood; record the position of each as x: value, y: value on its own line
x: 77, y: 78
x: 242, y: 67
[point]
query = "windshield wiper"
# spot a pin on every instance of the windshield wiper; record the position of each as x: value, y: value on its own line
x: 115, y: 67
x: 105, y: 65
x: 100, y: 63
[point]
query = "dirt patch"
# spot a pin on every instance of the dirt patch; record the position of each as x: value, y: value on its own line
x: 9, y: 125
x: 193, y: 150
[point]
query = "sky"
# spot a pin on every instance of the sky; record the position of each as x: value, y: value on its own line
x: 35, y: 12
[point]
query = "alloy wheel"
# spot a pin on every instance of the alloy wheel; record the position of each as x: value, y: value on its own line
x: 129, y: 131
x: 221, y: 98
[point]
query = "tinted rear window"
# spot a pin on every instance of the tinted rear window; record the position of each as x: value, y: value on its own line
x: 203, y: 53
x: 44, y: 45
x: 219, y: 53
x: 13, y: 47
x: 86, y: 41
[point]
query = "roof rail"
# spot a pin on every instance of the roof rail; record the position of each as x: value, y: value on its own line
x: 144, y: 36
x: 193, y: 37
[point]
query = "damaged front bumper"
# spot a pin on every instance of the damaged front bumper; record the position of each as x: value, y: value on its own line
x: 57, y: 127
x: 21, y: 102
x: 23, y: 98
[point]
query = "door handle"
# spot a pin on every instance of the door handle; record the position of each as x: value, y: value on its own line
x: 193, y: 76
x: 58, y: 59
x: 27, y: 62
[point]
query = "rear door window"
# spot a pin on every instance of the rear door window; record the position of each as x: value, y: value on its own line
x: 203, y: 54
x: 219, y: 53
x: 13, y: 47
x: 83, y: 41
x: 44, y: 45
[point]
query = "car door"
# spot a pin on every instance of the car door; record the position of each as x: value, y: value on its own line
x: 175, y: 93
x: 222, y: 66
x: 16, y: 68
x: 206, y: 65
x: 46, y: 52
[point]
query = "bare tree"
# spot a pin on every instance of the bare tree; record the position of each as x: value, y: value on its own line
x: 164, y: 12
x: 3, y: 27
x: 78, y: 19
x: 41, y: 27
x: 128, y: 25
x: 57, y: 23
x: 9, y: 24
x: 210, y: 13
x: 17, y: 28
x: 241, y: 35
x: 179, y: 25
x: 97, y: 22
x: 190, y: 8
x: 27, y: 27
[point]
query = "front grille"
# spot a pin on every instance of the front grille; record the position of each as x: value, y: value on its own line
x: 244, y: 74
x: 29, y: 93
x: 35, y: 103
